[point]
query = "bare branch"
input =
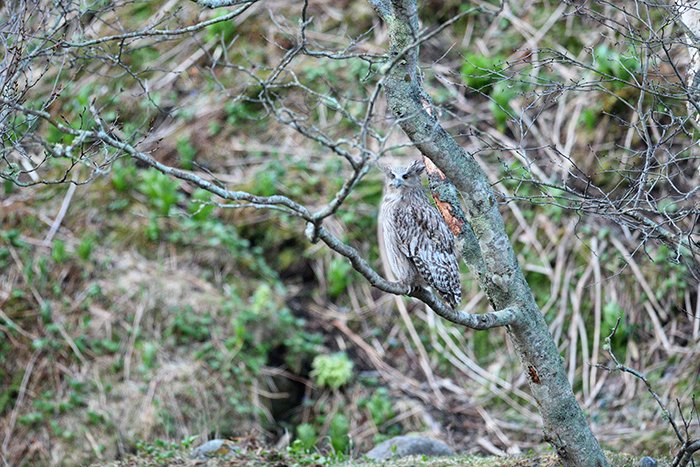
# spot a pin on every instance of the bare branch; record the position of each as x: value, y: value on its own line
x: 685, y: 455
x: 221, y: 3
x: 505, y: 317
x: 102, y: 135
x: 688, y: 445
x: 149, y: 32
x: 625, y: 369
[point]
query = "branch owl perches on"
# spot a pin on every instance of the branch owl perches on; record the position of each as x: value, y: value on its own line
x: 420, y: 248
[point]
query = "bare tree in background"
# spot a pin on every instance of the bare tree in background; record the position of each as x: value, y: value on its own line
x: 643, y: 177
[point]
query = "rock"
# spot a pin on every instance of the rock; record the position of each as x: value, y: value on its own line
x: 648, y: 462
x: 402, y: 446
x: 214, y: 448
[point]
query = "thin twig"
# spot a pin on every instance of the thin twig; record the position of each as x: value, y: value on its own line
x: 625, y: 369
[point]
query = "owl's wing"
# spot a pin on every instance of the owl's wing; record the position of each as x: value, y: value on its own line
x: 427, y: 241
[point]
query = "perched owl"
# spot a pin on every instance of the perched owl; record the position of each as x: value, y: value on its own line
x: 420, y: 248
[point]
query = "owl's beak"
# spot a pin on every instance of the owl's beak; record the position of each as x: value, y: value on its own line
x: 397, y: 182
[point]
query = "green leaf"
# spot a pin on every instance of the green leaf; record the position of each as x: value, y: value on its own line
x: 186, y: 151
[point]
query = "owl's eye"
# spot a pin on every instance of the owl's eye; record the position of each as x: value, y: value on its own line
x: 404, y: 176
x: 391, y: 175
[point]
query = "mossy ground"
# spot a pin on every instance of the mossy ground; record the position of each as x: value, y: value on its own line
x: 277, y: 459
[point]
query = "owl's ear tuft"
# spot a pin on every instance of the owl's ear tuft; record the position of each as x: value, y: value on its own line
x: 416, y: 168
x: 383, y: 167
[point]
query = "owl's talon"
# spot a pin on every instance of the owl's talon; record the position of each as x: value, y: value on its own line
x: 407, y: 286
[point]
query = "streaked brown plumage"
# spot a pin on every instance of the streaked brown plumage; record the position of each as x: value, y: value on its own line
x: 420, y: 248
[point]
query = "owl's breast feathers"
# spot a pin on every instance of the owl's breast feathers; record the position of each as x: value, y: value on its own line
x: 428, y: 243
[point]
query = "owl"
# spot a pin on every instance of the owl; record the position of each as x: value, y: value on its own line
x: 420, y: 248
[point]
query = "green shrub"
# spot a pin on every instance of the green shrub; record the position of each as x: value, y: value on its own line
x: 160, y: 189
x: 480, y: 72
x: 332, y: 371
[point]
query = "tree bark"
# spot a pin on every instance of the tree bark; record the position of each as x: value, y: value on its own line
x: 494, y: 260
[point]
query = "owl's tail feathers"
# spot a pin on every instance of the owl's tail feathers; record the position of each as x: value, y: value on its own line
x: 452, y: 297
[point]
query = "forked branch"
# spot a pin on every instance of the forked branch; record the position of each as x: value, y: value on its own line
x: 505, y: 317
x: 688, y: 445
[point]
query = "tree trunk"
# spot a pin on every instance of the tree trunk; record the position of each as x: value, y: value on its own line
x: 494, y: 261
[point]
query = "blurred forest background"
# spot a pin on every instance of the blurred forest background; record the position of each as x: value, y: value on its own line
x: 135, y: 313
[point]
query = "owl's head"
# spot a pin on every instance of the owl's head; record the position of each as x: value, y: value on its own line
x: 402, y: 178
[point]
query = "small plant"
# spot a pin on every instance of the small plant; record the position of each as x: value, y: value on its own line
x: 590, y: 117
x: 223, y: 31
x: 297, y: 455
x: 186, y: 151
x: 58, y: 252
x: 214, y: 128
x: 188, y: 326
x: 95, y: 418
x: 380, y: 407
x: 338, y: 276
x: 85, y: 247
x: 160, y: 189
x: 149, y: 352
x: 161, y: 451
x: 612, y: 63
x: 306, y: 436
x: 332, y: 371
x: 480, y: 72
x: 153, y: 228
x: 104, y: 346
x: 240, y: 111
x: 199, y: 209
x: 141, y: 58
x: 612, y: 312
x: 338, y: 433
